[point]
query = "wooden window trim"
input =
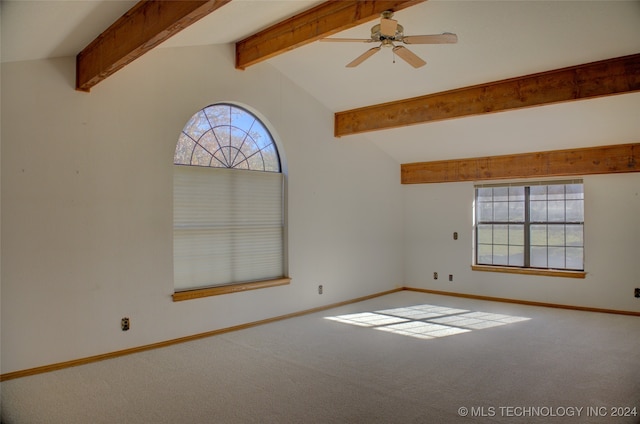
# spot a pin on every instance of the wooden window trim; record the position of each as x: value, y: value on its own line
x: 530, y: 271
x: 231, y: 288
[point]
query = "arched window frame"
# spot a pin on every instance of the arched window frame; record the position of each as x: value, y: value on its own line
x: 226, y: 148
x: 226, y: 135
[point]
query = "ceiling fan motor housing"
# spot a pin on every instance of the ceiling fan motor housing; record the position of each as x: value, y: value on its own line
x: 376, y: 34
x: 388, y: 32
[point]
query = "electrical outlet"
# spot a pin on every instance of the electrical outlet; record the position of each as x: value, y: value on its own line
x: 320, y: 289
x: 124, y: 323
x: 636, y: 292
x: 435, y: 275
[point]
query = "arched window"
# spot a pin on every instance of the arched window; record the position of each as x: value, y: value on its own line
x: 227, y: 136
x: 228, y: 219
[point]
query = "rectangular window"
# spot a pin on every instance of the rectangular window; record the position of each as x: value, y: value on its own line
x: 228, y: 226
x: 530, y: 225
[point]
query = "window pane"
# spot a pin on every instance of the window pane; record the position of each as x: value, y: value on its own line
x: 556, y: 257
x: 242, y: 163
x: 516, y: 255
x: 197, y: 126
x: 500, y: 234
x: 555, y: 192
x: 516, y: 211
x: 271, y: 159
x: 516, y: 235
x: 238, y: 144
x: 575, y: 257
x: 485, y: 194
x: 574, y: 235
x: 538, y: 235
x: 539, y: 257
x: 208, y: 142
x: 200, y: 157
x: 516, y: 193
x: 538, y: 211
x: 241, y: 119
x: 500, y: 194
x: 556, y: 235
x: 538, y: 192
x: 219, y: 159
x: 184, y: 148
x: 260, y: 135
x: 575, y: 191
x: 485, y: 234
x: 575, y: 211
x: 219, y: 114
x: 501, y: 211
x: 485, y: 212
x: 485, y: 254
x: 223, y: 138
x: 556, y: 211
x: 500, y: 255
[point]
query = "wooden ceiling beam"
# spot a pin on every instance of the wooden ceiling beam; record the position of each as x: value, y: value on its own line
x: 318, y: 22
x: 555, y: 163
x: 144, y: 26
x: 597, y: 79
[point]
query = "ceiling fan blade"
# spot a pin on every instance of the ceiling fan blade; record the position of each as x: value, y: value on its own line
x: 408, y: 56
x: 446, y: 38
x: 348, y: 40
x: 388, y: 27
x: 364, y: 56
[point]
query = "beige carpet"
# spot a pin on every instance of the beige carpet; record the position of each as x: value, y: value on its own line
x: 402, y: 358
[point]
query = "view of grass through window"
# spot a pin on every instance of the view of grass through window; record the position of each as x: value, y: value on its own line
x: 531, y: 226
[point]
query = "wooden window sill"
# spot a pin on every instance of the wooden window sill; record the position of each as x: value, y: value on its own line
x: 231, y: 288
x: 530, y: 271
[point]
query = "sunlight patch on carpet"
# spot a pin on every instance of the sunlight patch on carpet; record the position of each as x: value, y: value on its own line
x: 427, y: 321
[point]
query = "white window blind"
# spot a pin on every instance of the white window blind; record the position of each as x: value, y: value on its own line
x: 227, y: 226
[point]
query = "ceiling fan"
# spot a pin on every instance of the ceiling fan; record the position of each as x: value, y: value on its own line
x: 389, y: 31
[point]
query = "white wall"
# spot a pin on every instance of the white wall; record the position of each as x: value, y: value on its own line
x: 612, y: 230
x: 87, y: 205
x: 87, y: 212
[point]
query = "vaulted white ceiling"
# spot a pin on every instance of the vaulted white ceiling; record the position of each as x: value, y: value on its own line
x: 497, y: 40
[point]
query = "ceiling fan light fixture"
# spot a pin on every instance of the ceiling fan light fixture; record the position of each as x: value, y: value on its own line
x: 388, y: 27
x: 389, y: 31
